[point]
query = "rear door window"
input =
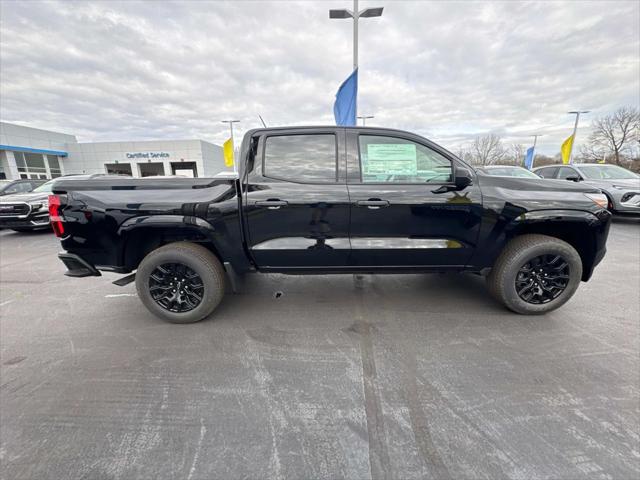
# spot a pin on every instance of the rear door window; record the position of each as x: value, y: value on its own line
x: 301, y: 158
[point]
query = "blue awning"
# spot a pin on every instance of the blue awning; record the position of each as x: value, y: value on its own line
x: 59, y: 153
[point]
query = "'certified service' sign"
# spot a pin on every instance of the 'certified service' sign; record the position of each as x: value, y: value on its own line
x: 148, y: 155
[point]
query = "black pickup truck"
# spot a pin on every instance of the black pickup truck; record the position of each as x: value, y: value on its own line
x: 315, y: 200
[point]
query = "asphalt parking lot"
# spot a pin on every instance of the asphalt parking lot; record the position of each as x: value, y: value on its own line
x: 420, y: 376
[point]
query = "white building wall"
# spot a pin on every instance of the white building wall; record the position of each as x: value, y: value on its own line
x: 213, y: 160
x: 19, y: 136
x: 91, y: 157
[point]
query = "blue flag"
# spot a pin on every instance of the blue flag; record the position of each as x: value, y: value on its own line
x: 528, y: 159
x: 344, y: 109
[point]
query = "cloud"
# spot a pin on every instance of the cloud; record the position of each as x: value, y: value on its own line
x: 449, y: 70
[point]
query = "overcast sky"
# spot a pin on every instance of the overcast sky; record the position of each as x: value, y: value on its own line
x: 447, y: 70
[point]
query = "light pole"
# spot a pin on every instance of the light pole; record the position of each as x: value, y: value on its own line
x: 231, y: 122
x: 356, y: 15
x: 575, y: 129
x: 364, y: 119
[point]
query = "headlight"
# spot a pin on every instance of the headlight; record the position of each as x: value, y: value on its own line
x: 41, y: 205
x: 599, y: 199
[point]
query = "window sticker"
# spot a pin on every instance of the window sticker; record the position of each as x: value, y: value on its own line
x: 390, y: 159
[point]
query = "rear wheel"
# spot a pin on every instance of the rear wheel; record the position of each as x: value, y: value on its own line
x: 535, y: 274
x: 181, y: 282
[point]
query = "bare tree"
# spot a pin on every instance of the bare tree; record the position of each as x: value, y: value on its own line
x: 614, y: 133
x: 487, y: 149
x: 516, y: 154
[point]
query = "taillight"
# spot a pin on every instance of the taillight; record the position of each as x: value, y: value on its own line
x: 55, y: 205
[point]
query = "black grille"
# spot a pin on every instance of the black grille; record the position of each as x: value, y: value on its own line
x: 13, y: 209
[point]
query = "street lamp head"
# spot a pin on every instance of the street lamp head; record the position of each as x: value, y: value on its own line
x: 581, y: 111
x: 342, y: 13
x: 371, y: 12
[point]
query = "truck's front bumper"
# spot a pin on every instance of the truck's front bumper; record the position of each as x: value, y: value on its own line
x: 77, y: 266
x: 33, y: 222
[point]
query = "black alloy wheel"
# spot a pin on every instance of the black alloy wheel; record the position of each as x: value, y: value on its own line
x: 542, y: 279
x: 176, y: 287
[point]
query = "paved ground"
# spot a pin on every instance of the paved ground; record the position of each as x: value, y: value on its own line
x: 382, y: 376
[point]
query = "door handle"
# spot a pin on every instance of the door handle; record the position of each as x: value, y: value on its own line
x: 274, y: 204
x: 373, y: 204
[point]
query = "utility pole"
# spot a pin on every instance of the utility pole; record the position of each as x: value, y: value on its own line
x: 575, y: 129
x: 364, y: 119
x: 231, y: 122
x: 356, y: 15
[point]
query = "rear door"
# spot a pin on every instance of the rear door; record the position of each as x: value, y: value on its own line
x: 296, y: 202
x: 404, y: 212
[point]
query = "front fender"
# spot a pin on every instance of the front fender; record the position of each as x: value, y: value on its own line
x: 585, y: 230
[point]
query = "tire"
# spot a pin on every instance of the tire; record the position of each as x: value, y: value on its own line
x: 189, y: 257
x: 516, y: 256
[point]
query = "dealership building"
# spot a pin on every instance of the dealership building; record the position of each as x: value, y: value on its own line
x: 27, y: 152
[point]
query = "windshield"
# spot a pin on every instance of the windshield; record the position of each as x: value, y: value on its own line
x: 4, y: 182
x: 604, y: 172
x: 44, y: 188
x: 511, y: 172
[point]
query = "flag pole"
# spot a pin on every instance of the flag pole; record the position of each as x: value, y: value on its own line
x: 575, y: 130
x: 231, y: 122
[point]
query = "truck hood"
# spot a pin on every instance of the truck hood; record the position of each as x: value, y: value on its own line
x: 25, y: 197
x: 534, y: 184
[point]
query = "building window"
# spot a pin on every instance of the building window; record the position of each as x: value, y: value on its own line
x: 118, y: 168
x: 54, y: 166
x: 151, y: 169
x: 31, y: 165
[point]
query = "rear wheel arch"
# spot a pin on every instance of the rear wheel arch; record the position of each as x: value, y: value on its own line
x: 140, y: 240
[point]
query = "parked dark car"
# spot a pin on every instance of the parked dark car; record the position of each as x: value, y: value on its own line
x: 24, y: 212
x: 621, y: 186
x: 316, y: 200
x: 507, y: 171
x: 12, y: 187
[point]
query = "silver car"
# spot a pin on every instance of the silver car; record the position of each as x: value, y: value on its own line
x: 621, y: 186
x: 507, y: 171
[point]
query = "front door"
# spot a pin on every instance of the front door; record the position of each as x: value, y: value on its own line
x: 296, y: 201
x: 404, y: 210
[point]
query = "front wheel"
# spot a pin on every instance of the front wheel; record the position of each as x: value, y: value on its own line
x: 181, y: 282
x: 535, y: 274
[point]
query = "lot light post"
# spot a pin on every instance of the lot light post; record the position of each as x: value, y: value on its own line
x: 364, y: 119
x: 575, y: 129
x: 356, y: 15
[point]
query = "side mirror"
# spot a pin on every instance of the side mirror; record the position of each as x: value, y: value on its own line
x: 573, y: 178
x: 463, y: 178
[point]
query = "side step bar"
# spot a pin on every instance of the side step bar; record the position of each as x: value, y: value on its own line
x: 77, y: 266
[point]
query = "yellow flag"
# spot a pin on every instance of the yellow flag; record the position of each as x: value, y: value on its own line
x: 565, y: 150
x: 227, y: 149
